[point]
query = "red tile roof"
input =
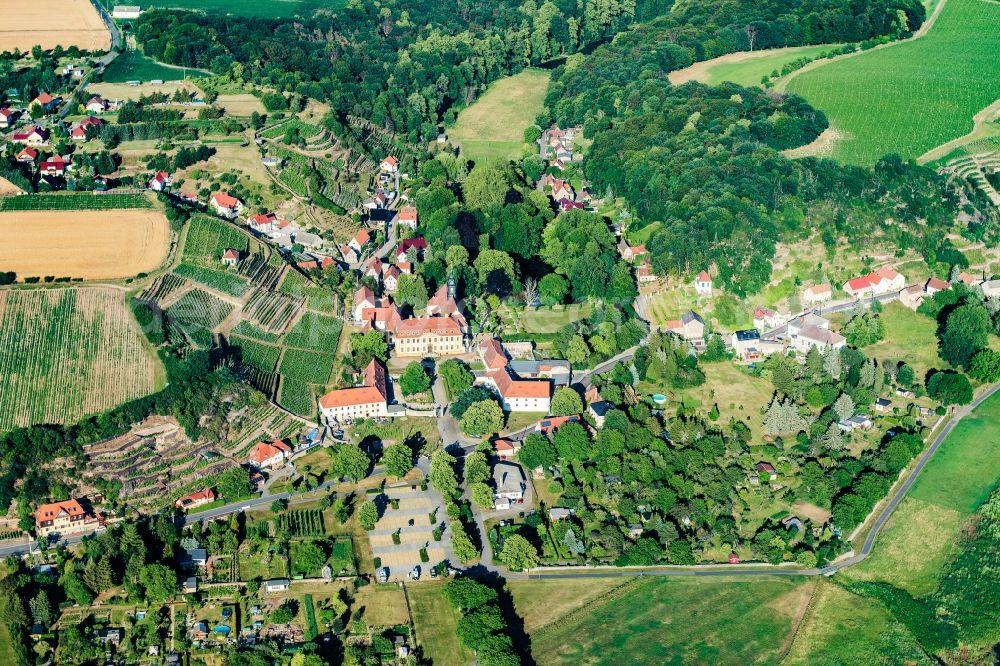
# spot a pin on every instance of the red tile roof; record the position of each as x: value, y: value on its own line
x: 408, y: 214
x: 362, y: 237
x: 224, y: 200
x: 520, y: 388
x: 493, y: 354
x: 51, y: 511
x: 418, y: 326
x: 264, y: 450
x: 372, y: 391
x: 702, y: 276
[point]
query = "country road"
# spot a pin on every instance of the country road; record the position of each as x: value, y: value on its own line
x: 448, y: 430
x: 549, y: 573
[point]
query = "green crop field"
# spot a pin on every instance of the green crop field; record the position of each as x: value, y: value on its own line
x: 318, y: 298
x: 677, y: 621
x: 316, y: 332
x: 924, y: 530
x: 306, y: 366
x: 228, y: 283
x: 910, y: 97
x: 134, y: 66
x: 207, y: 238
x: 295, y: 396
x: 197, y: 313
x: 436, y: 623
x: 843, y: 628
x: 74, y: 202
x: 747, y: 69
x: 493, y: 127
x: 258, y: 354
x: 66, y: 353
x: 270, y: 9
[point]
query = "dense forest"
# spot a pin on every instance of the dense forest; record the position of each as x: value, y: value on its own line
x: 403, y: 69
x: 705, y: 162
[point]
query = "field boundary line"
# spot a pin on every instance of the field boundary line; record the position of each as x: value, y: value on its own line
x: 799, y: 621
x: 782, y: 85
x: 602, y: 599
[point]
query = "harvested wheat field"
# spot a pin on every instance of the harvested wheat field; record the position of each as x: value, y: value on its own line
x: 46, y: 23
x: 93, y: 245
x: 66, y: 353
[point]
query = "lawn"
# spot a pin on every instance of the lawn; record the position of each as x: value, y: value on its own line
x: 384, y: 605
x: 550, y: 320
x: 842, y: 628
x: 435, y: 623
x: 493, y: 127
x: 134, y: 66
x: 746, y: 69
x: 737, y: 393
x: 539, y: 603
x: 923, y: 531
x: 909, y: 336
x: 909, y: 97
x: 675, y: 621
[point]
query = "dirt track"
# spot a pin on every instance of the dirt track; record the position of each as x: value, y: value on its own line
x: 94, y: 245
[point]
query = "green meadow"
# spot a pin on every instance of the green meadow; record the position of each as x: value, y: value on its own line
x: 910, y: 97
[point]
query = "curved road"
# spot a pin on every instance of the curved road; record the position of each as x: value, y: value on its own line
x: 722, y: 570
x: 549, y: 573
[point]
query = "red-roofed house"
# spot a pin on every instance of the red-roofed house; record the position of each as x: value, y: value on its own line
x: 196, y: 499
x: 54, y: 166
x: 416, y: 243
x: 550, y: 424
x: 230, y: 257
x: 492, y: 354
x: 369, y: 400
x: 225, y: 205
x: 506, y: 449
x: 630, y: 252
x: 160, y: 181
x: 33, y: 136
x: 7, y: 117
x: 389, y: 165
x: 644, y: 272
x: 934, y: 285
x: 408, y: 216
x: 47, y: 102
x: 882, y: 281
x: 520, y: 395
x: 390, y: 279
x: 268, y: 455
x: 360, y: 240
x: 364, y: 299
x: 79, y: 131
x: 703, y: 284
x: 969, y: 279
x: 27, y: 155
x: 63, y: 518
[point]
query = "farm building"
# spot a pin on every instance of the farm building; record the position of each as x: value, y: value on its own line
x: 368, y: 400
x: 125, y: 12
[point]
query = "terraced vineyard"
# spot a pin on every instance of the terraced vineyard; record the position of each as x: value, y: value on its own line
x: 66, y: 353
x: 196, y: 314
x: 318, y: 298
x: 910, y: 97
x: 272, y: 311
x: 315, y: 332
